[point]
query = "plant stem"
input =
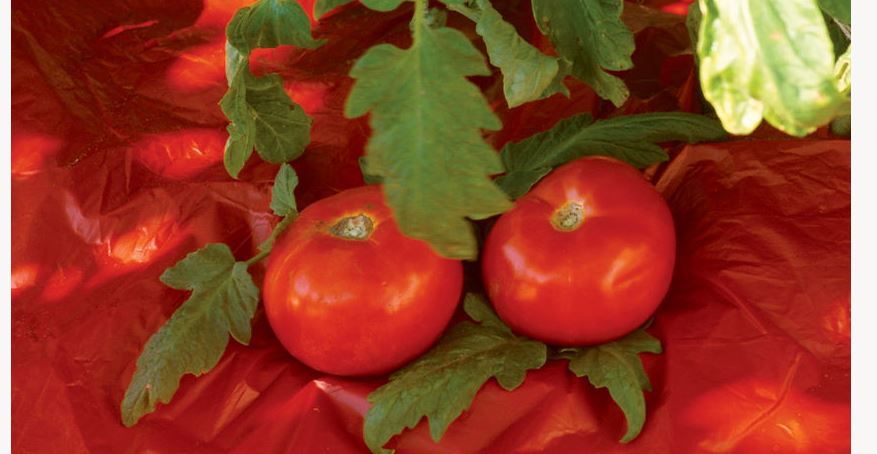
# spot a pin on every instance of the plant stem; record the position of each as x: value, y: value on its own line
x: 419, y: 17
x: 265, y: 247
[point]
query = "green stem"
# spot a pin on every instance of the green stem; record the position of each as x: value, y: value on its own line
x: 419, y: 17
x: 265, y: 247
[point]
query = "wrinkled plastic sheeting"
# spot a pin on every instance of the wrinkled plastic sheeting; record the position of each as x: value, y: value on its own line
x: 117, y: 174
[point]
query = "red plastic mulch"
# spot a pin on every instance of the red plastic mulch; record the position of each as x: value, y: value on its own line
x: 117, y: 174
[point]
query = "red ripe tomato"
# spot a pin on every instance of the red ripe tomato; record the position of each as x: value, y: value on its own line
x: 348, y: 294
x: 585, y: 257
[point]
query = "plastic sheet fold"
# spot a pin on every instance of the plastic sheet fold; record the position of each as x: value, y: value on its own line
x: 117, y: 174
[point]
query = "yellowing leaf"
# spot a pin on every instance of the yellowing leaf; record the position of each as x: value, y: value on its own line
x: 770, y: 59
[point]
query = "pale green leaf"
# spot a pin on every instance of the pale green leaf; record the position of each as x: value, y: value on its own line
x: 616, y: 365
x: 843, y: 72
x: 630, y: 138
x: 426, y: 142
x: 842, y: 125
x: 441, y: 384
x: 770, y: 59
x: 282, y: 196
x: 322, y: 7
x: 270, y: 23
x: 591, y: 35
x: 223, y: 301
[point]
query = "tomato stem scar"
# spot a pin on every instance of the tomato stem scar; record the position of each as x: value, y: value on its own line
x: 568, y: 217
x: 358, y: 227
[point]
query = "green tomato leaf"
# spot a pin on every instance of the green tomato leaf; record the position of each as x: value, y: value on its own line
x: 368, y: 178
x: 282, y: 197
x: 591, y: 35
x: 441, y: 384
x: 616, y: 365
x: 192, y: 341
x: 282, y: 127
x: 527, y: 74
x: 382, y: 5
x: 426, y: 142
x: 631, y: 138
x: 322, y: 7
x: 477, y: 309
x: 838, y: 9
x: 262, y: 115
x: 241, y: 128
x: 770, y: 59
x: 270, y: 23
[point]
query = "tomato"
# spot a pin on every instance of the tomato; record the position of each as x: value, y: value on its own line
x: 585, y: 257
x: 348, y: 294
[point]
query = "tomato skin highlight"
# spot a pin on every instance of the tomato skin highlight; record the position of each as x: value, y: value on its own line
x: 357, y: 306
x: 595, y: 282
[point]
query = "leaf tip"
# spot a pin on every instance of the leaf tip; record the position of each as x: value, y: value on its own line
x: 130, y: 410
